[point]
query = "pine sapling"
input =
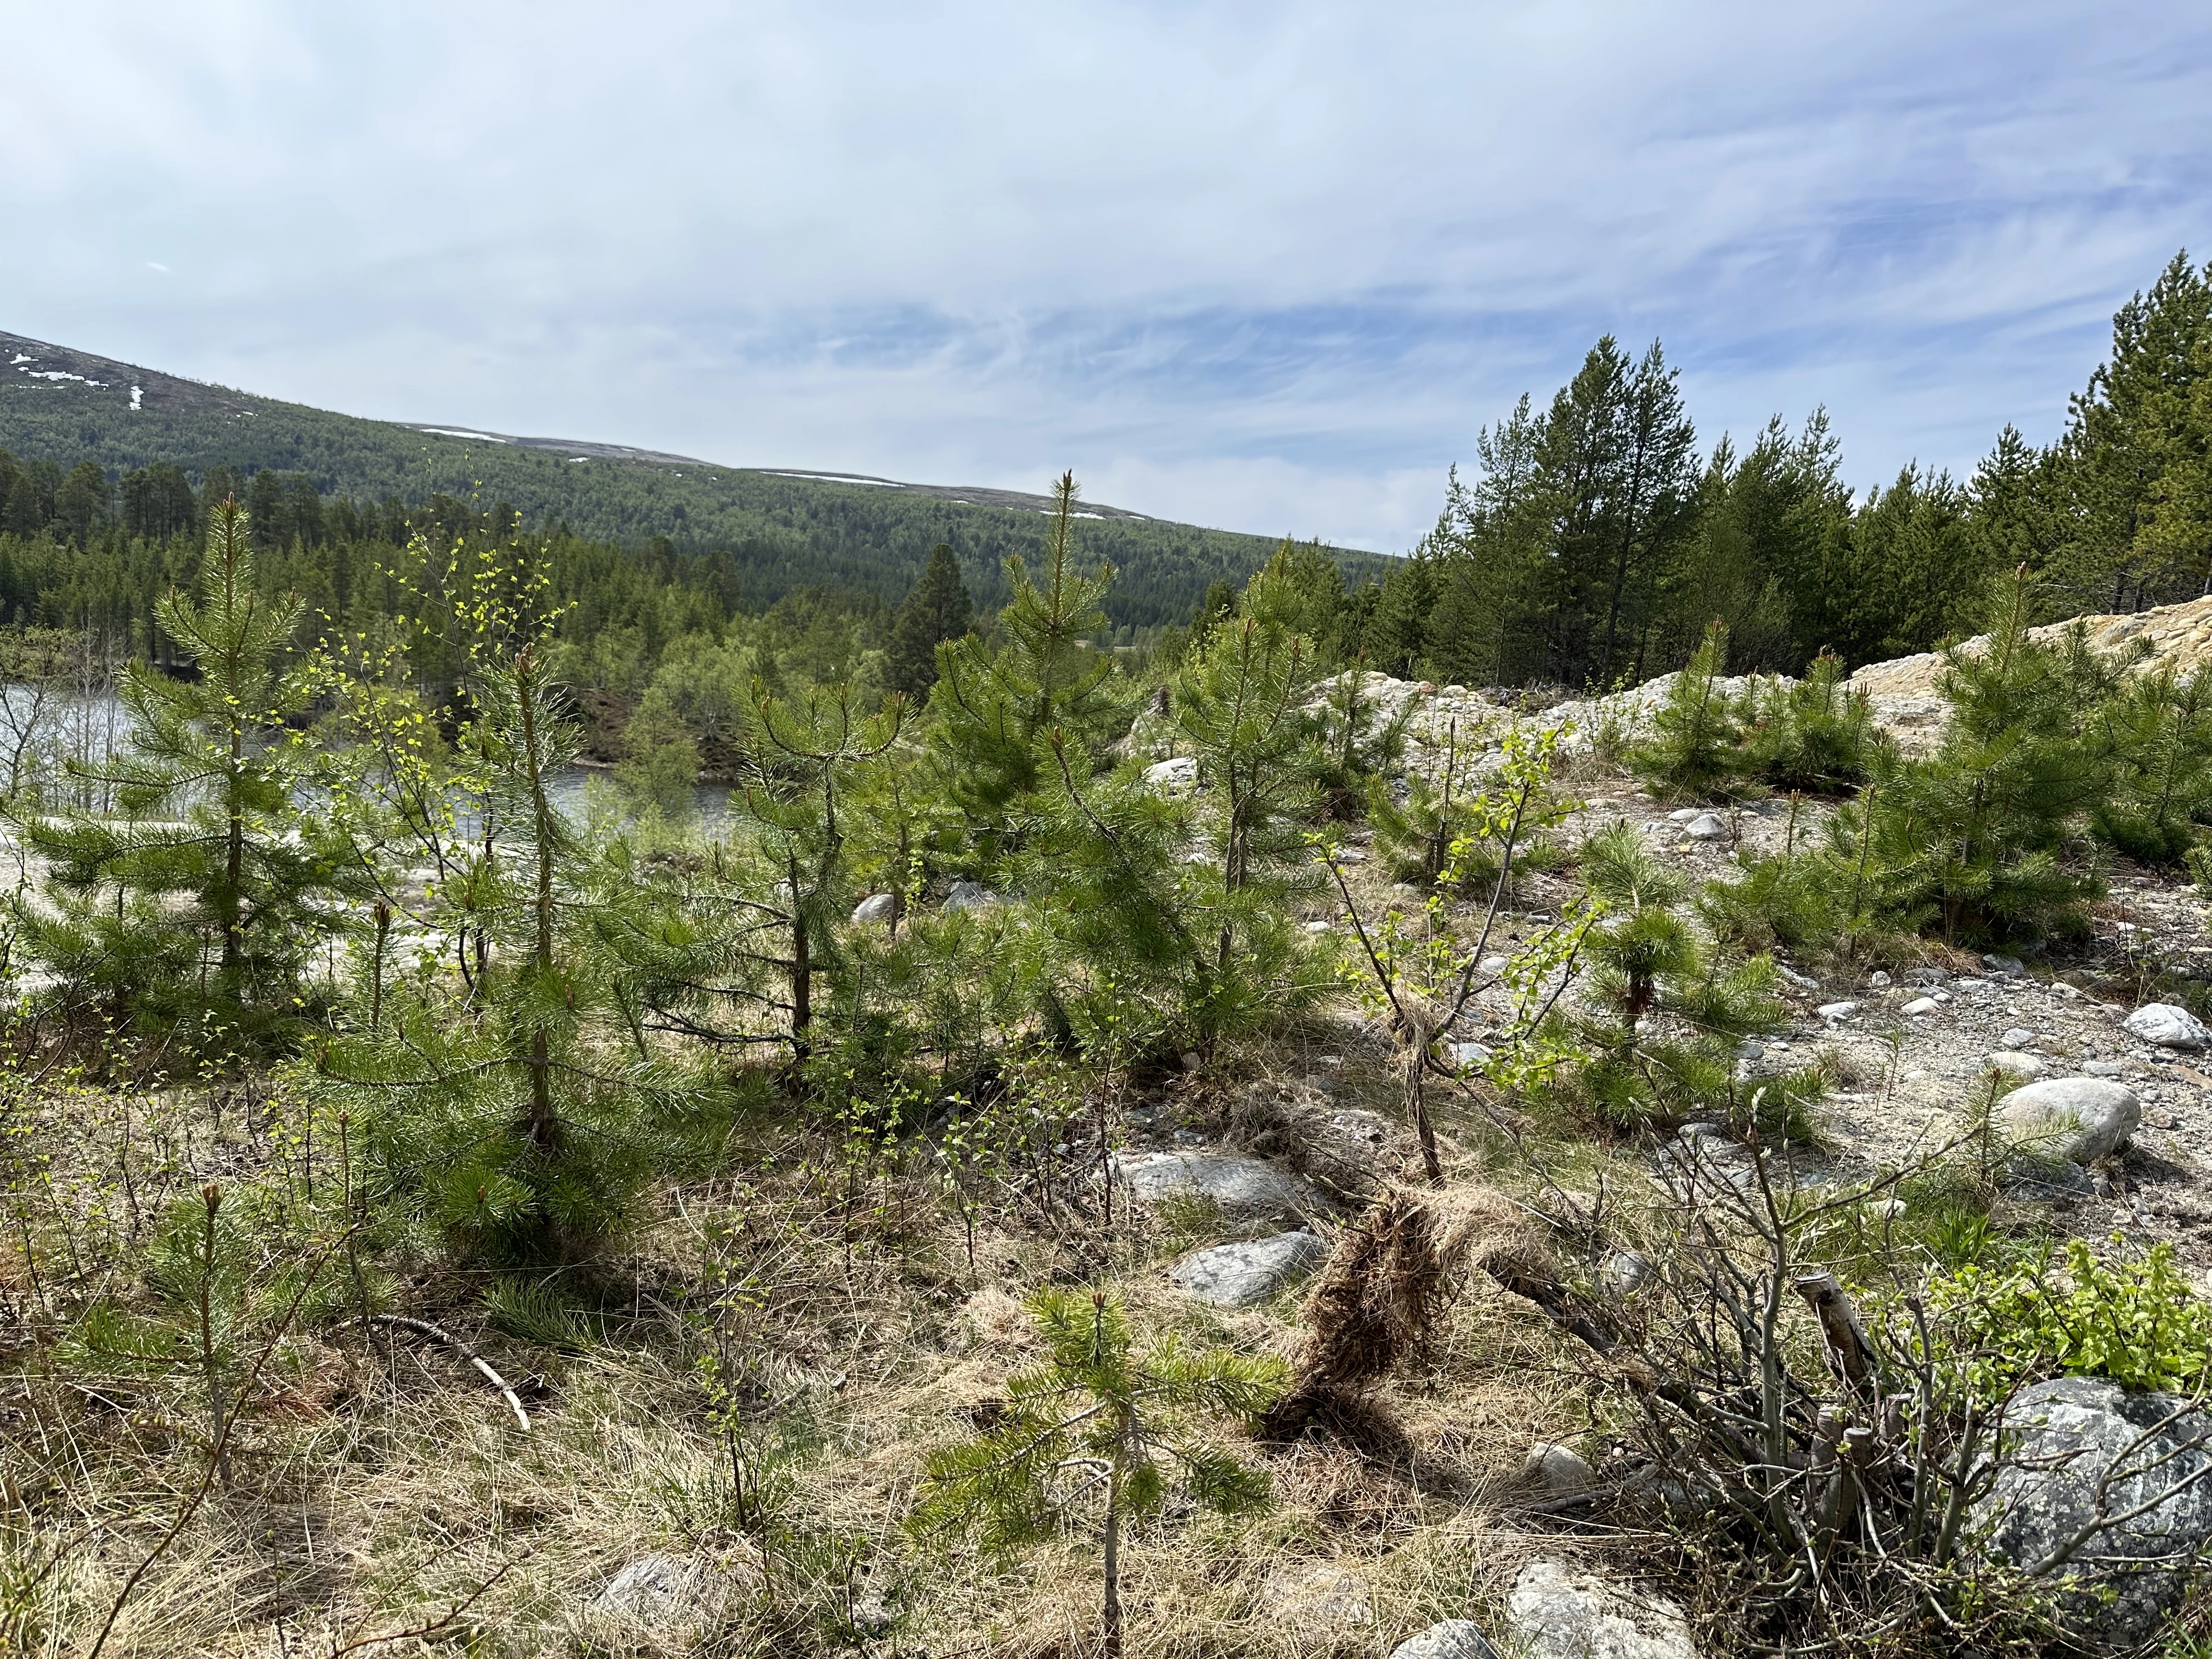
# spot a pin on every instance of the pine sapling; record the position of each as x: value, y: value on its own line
x: 1097, y: 1428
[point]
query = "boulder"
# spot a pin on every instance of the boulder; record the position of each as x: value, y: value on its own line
x: 2063, y: 1437
x: 877, y: 908
x: 1181, y: 773
x: 1707, y: 826
x: 1239, y: 1275
x: 2079, y: 1118
x: 1247, y: 1186
x: 1555, y: 1611
x: 2014, y: 1063
x: 2167, y: 1026
x: 970, y: 896
x: 1449, y: 1638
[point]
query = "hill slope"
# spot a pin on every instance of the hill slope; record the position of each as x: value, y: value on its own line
x: 788, y: 529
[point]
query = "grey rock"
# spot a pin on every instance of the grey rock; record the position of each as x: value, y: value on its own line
x: 1625, y: 1273
x: 2018, y: 1037
x: 1247, y: 1186
x: 2065, y: 1436
x: 877, y: 907
x: 2104, y: 1068
x: 1239, y: 1275
x: 654, y: 1589
x: 1879, y: 979
x: 1555, y: 1611
x: 2003, y: 967
x: 2079, y: 1118
x: 1710, y: 826
x: 1791, y: 976
x: 1923, y: 1005
x: 1317, y: 928
x: 2014, y: 1063
x: 1468, y: 1055
x: 1557, y: 1471
x: 1928, y: 976
x: 1352, y: 855
x: 970, y: 896
x: 1751, y: 1048
x: 1833, y: 1011
x: 1493, y: 965
x: 1688, y: 815
x: 1449, y: 1638
x: 2167, y: 1026
x: 1181, y: 773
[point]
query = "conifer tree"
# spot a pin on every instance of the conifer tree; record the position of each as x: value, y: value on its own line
x: 1692, y: 749
x: 937, y: 609
x: 503, y: 1107
x: 1240, y: 706
x: 997, y: 705
x: 1662, y: 1010
x: 1970, y: 839
x: 210, y: 885
x: 1098, y: 1423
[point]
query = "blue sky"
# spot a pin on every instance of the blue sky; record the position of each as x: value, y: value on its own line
x: 1264, y: 266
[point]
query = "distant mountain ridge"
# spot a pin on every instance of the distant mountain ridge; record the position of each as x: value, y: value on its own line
x: 786, y: 528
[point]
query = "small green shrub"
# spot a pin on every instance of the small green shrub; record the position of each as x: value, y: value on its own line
x: 2136, y: 1321
x: 1816, y: 735
x: 1694, y: 748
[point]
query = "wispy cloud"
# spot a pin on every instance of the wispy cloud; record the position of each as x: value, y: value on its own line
x: 1263, y: 265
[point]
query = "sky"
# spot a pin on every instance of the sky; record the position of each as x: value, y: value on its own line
x: 1269, y: 267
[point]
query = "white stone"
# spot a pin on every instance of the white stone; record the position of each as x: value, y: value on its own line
x: 970, y: 896
x: 1180, y: 773
x: 1468, y: 1055
x: 1922, y: 1005
x: 1238, y: 1275
x: 1558, y: 1471
x: 1494, y: 964
x: 1709, y: 826
x: 2012, y: 1063
x: 1449, y: 1638
x: 1318, y: 928
x: 1687, y: 815
x: 2167, y: 1026
x: 876, y: 907
x: 1249, y: 1185
x: 1879, y: 979
x: 1791, y: 976
x: 2018, y: 1037
x: 1834, y: 1011
x: 1558, y: 1612
x: 2104, y: 1068
x: 1751, y: 1048
x: 653, y: 1590
x: 2080, y: 1118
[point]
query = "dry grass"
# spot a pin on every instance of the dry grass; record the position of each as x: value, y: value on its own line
x: 381, y: 1487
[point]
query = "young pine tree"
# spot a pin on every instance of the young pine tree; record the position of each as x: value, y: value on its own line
x: 1973, y: 840
x: 1661, y: 1009
x: 512, y: 1102
x: 1692, y: 748
x: 936, y: 611
x: 209, y: 888
x: 1239, y: 705
x: 1816, y: 736
x: 998, y: 707
x: 1098, y: 1426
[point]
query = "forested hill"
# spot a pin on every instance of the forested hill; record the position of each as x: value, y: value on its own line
x: 781, y: 531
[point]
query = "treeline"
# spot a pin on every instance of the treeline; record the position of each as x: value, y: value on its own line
x: 777, y: 534
x: 1596, y: 542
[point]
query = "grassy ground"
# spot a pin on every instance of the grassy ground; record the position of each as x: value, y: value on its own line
x: 382, y: 1497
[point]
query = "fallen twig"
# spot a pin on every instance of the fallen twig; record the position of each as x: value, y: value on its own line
x: 439, y: 1333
